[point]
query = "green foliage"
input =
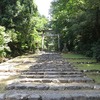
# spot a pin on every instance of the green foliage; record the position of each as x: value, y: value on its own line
x: 35, y: 40
x: 4, y: 40
x: 96, y: 51
x: 21, y: 20
x: 13, y: 35
x: 40, y: 22
x: 78, y: 22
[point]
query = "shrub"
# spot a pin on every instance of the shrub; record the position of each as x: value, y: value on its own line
x: 96, y: 51
x: 4, y: 39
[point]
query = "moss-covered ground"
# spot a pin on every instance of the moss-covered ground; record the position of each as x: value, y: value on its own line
x: 82, y: 62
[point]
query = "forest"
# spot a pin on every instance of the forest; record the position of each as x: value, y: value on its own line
x: 20, y: 26
x: 77, y: 22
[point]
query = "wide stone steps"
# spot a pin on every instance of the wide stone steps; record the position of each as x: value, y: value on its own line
x: 51, y: 76
x: 51, y: 73
x: 7, y: 73
x: 51, y: 68
x: 51, y: 95
x: 57, y: 80
x: 57, y: 69
x: 52, y: 86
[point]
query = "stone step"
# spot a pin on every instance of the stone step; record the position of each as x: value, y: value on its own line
x: 51, y: 69
x: 51, y: 64
x: 51, y: 95
x: 7, y: 73
x: 57, y: 80
x: 52, y: 86
x: 50, y: 76
x: 11, y: 71
x: 51, y: 73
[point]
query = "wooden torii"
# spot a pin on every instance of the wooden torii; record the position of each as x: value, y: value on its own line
x: 51, y: 35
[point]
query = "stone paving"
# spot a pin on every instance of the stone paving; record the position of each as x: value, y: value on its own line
x: 50, y: 77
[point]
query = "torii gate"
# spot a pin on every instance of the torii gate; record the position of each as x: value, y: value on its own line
x: 51, y: 35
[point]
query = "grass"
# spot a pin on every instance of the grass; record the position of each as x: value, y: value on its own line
x: 73, y: 55
x: 3, y: 83
x: 81, y: 60
x: 2, y: 87
x: 88, y: 66
x: 95, y: 76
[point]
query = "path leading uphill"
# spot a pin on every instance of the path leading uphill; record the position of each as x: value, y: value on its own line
x: 49, y: 77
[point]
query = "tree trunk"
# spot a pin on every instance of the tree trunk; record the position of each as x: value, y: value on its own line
x: 97, y: 23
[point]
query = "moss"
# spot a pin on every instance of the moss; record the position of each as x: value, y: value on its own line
x: 73, y: 55
x: 73, y: 58
x: 88, y: 66
x: 94, y: 76
x: 2, y: 87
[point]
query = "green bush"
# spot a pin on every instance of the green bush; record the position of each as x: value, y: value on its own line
x: 96, y: 51
x: 89, y: 53
x: 4, y: 40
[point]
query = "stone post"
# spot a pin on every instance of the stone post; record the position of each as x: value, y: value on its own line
x: 43, y: 41
x: 65, y: 50
x: 58, y: 42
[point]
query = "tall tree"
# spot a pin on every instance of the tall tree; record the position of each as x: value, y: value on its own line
x: 23, y: 17
x: 78, y: 21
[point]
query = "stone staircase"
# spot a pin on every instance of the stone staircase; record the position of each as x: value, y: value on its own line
x: 51, y: 78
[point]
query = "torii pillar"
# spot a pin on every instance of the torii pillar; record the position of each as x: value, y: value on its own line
x: 58, y: 42
x: 43, y: 41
